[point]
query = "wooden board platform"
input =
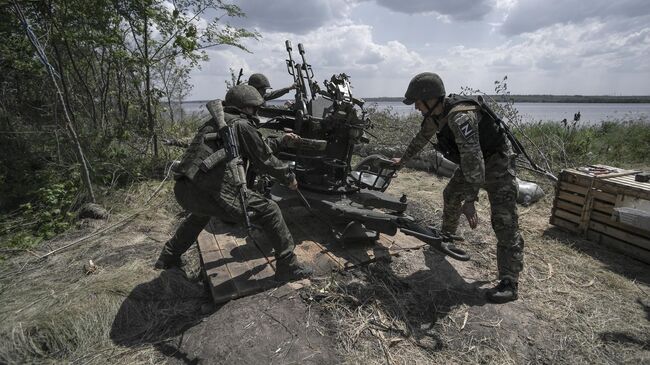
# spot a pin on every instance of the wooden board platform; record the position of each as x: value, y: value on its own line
x: 585, y: 203
x: 234, y: 267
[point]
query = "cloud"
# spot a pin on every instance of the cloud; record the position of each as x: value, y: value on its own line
x: 530, y: 15
x: 464, y: 10
x: 332, y: 49
x: 293, y: 16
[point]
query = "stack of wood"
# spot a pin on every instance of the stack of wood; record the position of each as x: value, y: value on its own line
x: 606, y: 205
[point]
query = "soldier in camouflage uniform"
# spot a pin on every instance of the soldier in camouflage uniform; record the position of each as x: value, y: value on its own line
x: 262, y: 84
x: 472, y: 139
x: 206, y: 187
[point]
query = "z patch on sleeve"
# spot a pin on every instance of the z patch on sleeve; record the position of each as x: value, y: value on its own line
x: 466, y: 129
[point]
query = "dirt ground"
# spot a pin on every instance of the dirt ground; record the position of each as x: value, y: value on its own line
x: 579, y: 303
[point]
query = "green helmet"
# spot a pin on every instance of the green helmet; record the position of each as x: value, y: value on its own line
x: 242, y: 95
x: 424, y: 86
x: 259, y: 81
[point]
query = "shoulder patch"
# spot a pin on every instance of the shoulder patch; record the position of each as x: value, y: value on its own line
x: 466, y: 129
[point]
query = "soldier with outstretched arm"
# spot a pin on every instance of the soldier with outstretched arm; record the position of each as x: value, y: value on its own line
x: 262, y: 84
x: 470, y: 137
x: 207, y: 185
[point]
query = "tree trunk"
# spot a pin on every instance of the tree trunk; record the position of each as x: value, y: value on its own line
x: 147, y: 67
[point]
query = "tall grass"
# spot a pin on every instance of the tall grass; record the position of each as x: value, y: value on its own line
x: 618, y: 142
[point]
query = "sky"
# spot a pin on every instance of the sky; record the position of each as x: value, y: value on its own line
x: 568, y: 47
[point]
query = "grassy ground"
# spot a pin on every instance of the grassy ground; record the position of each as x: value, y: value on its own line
x: 579, y: 303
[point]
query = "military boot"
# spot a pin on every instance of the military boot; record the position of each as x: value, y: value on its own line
x: 290, y: 268
x: 505, y: 291
x: 165, y: 262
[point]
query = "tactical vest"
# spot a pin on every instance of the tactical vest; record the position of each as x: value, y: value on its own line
x: 491, y: 136
x: 205, y: 151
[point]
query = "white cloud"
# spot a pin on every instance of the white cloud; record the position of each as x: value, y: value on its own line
x: 293, y: 16
x: 530, y: 15
x: 464, y: 10
x: 597, y: 54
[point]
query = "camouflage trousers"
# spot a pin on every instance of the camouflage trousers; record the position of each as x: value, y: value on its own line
x: 502, y: 189
x: 204, y: 203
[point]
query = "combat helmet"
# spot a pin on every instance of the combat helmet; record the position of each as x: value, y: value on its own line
x: 424, y: 86
x: 241, y: 96
x: 259, y: 81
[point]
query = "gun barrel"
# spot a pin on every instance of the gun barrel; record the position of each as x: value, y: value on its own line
x: 307, y: 68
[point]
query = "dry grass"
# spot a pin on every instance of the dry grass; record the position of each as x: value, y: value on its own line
x: 53, y: 311
x: 579, y: 303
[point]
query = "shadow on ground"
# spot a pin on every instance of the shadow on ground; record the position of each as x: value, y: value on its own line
x: 159, y: 312
x: 176, y: 316
x: 615, y: 261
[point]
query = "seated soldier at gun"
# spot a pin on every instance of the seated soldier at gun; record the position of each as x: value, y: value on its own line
x: 207, y: 187
x: 262, y: 84
x: 470, y: 136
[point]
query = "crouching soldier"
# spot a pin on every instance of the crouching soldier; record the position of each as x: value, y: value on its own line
x: 208, y: 188
x: 468, y: 136
x: 262, y: 84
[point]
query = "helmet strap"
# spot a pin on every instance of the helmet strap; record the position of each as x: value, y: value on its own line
x: 430, y: 110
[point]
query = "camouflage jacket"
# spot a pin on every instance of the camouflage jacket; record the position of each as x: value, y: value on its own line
x: 464, y: 127
x: 259, y: 151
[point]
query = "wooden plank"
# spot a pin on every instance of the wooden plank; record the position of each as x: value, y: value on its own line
x: 630, y: 250
x: 400, y: 241
x: 237, y: 262
x: 261, y: 263
x: 567, y: 216
x: 604, y: 196
x: 573, y: 188
x: 632, y: 183
x: 570, y: 197
x: 620, y: 235
x: 614, y: 187
x: 214, y: 269
x: 606, y: 208
x: 569, y: 207
x: 364, y: 252
x: 317, y: 258
x: 331, y: 249
x: 607, y: 219
x: 564, y: 224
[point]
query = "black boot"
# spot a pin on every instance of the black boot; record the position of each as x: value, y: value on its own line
x: 505, y: 291
x: 165, y: 262
x: 289, y: 268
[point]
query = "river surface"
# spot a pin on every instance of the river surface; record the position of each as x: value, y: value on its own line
x: 590, y: 113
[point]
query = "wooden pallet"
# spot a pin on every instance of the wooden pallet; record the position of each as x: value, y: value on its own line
x: 235, y: 267
x: 585, y: 203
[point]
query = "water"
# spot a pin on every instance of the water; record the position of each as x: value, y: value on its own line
x: 590, y: 113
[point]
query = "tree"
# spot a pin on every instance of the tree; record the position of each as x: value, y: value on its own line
x: 178, y: 36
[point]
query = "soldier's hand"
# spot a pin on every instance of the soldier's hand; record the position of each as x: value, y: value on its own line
x: 470, y: 213
x: 397, y: 162
x: 290, y: 137
x: 293, y: 185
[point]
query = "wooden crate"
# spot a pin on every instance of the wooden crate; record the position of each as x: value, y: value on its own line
x: 585, y: 199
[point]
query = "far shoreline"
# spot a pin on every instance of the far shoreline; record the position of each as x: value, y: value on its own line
x: 587, y: 99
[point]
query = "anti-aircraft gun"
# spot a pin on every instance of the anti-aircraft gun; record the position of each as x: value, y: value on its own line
x: 331, y: 121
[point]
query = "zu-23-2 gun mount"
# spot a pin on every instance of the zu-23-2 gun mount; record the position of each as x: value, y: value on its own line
x: 331, y: 122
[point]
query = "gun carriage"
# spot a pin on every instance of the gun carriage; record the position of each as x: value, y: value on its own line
x: 331, y: 121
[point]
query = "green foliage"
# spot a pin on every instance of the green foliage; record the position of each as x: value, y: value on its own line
x: 47, y: 214
x: 618, y: 143
x: 124, y: 68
